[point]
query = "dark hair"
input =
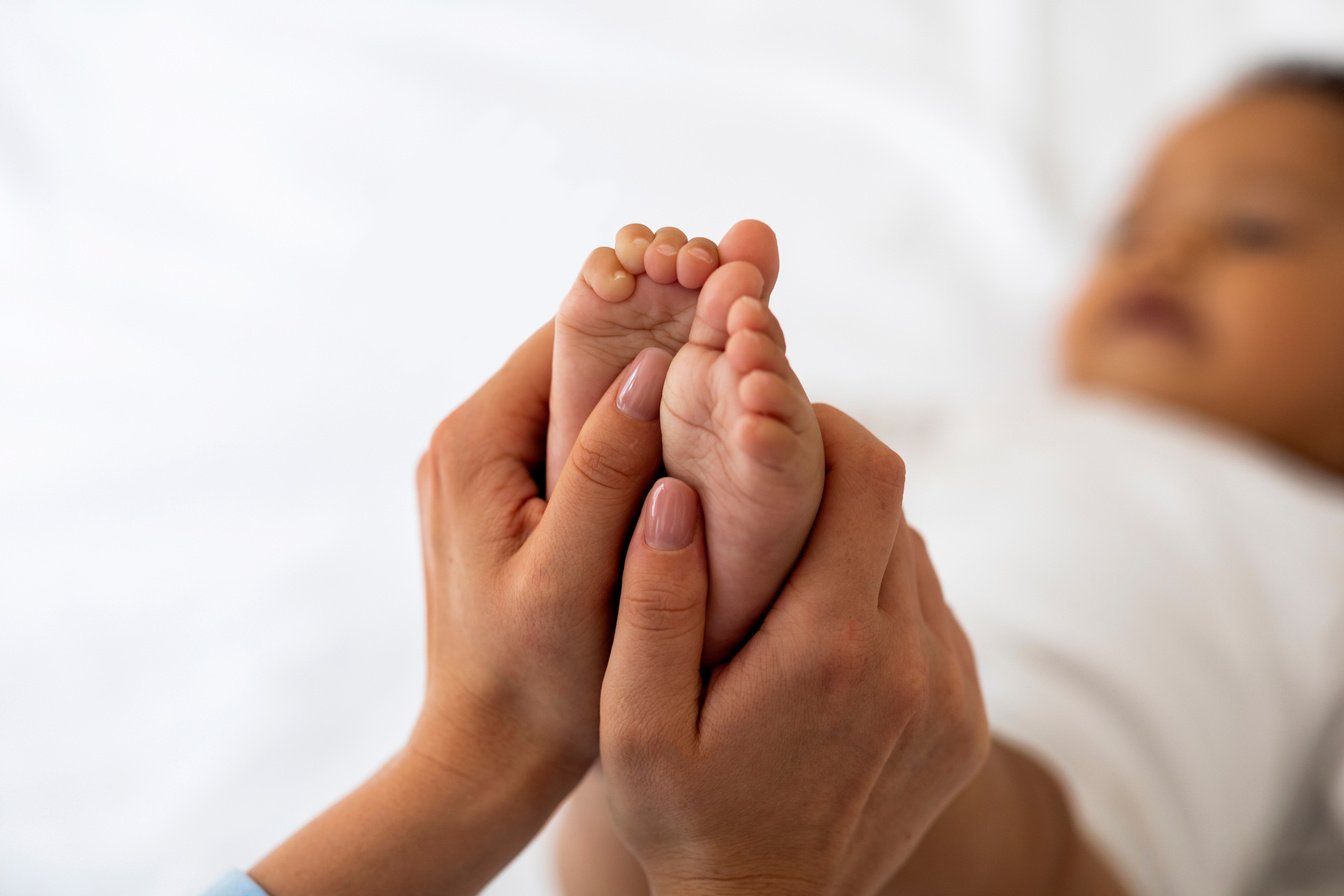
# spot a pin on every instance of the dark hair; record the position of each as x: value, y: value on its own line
x: 1317, y: 78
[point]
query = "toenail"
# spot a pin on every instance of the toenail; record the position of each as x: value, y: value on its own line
x: 702, y: 254
x: 665, y: 249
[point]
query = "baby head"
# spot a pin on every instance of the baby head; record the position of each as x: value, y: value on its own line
x: 1221, y: 287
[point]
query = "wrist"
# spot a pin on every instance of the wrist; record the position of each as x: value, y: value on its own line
x: 470, y: 744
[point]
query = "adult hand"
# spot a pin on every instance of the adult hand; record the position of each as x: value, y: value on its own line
x: 519, y: 590
x: 858, y: 687
x: 519, y: 595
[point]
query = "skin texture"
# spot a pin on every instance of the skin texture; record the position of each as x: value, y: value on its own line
x: 519, y: 616
x: 859, y: 668
x: 1236, y: 235
x: 738, y: 427
x: 737, y: 424
x: 639, y: 292
x: 521, y: 652
x: 1009, y: 830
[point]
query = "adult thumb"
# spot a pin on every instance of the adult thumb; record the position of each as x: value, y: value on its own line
x: 652, y: 684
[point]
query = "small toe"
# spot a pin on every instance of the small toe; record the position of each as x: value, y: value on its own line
x: 749, y: 350
x: 660, y: 258
x: 771, y: 395
x: 753, y: 314
x: 767, y: 441
x: 632, y: 241
x: 728, y: 283
x: 605, y: 276
x: 696, y: 261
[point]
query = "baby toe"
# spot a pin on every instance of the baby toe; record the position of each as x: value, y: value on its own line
x: 728, y: 283
x: 606, y: 277
x: 696, y: 261
x: 768, y: 394
x: 767, y: 441
x: 632, y: 241
x: 749, y: 350
x: 753, y: 314
x: 754, y: 242
x: 660, y: 258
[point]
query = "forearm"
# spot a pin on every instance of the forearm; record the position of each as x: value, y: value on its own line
x: 442, y: 824
x: 1009, y: 831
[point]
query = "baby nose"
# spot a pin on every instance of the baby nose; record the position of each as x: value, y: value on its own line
x: 1168, y: 252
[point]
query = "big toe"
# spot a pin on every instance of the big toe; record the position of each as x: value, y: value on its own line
x: 754, y: 242
x: 725, y: 286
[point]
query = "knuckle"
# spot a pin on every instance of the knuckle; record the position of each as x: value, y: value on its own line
x: 847, y: 659
x: 887, y: 470
x: 920, y: 547
x: 600, y: 464
x: 658, y: 606
x: 446, y: 438
x: 968, y: 720
x: 910, y: 692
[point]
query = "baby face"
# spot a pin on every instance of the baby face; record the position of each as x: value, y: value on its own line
x: 1221, y: 288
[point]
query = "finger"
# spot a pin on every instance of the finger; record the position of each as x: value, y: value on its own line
x: 494, y: 440
x: 653, y: 675
x: 660, y: 259
x: 937, y: 614
x: 900, y: 596
x: 754, y: 242
x: 583, y: 529
x: 631, y: 242
x: 606, y: 277
x: 844, y: 562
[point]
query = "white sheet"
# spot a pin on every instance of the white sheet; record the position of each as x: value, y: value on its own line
x: 250, y: 252
x: 1158, y: 611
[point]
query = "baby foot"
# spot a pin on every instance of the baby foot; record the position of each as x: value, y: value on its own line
x: 738, y: 427
x: 640, y: 293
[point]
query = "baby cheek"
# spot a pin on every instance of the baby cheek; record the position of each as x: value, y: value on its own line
x: 1274, y: 329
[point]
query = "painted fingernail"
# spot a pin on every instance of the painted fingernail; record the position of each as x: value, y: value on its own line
x: 642, y: 392
x: 670, y: 516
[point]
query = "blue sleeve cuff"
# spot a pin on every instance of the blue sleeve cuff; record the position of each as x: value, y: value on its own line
x: 235, y: 883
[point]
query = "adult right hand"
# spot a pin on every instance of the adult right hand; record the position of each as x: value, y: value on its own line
x: 859, y: 685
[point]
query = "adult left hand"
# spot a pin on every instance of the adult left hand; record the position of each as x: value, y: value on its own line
x: 519, y: 590
x: 519, y: 596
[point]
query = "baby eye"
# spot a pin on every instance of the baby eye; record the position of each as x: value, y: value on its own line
x: 1254, y: 233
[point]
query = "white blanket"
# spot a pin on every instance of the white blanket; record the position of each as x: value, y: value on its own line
x: 251, y: 252
x: 1157, y: 608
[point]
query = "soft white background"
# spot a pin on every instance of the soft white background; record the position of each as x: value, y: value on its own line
x: 251, y: 252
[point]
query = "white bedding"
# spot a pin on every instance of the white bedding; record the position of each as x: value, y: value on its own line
x: 250, y: 253
x: 1158, y: 611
